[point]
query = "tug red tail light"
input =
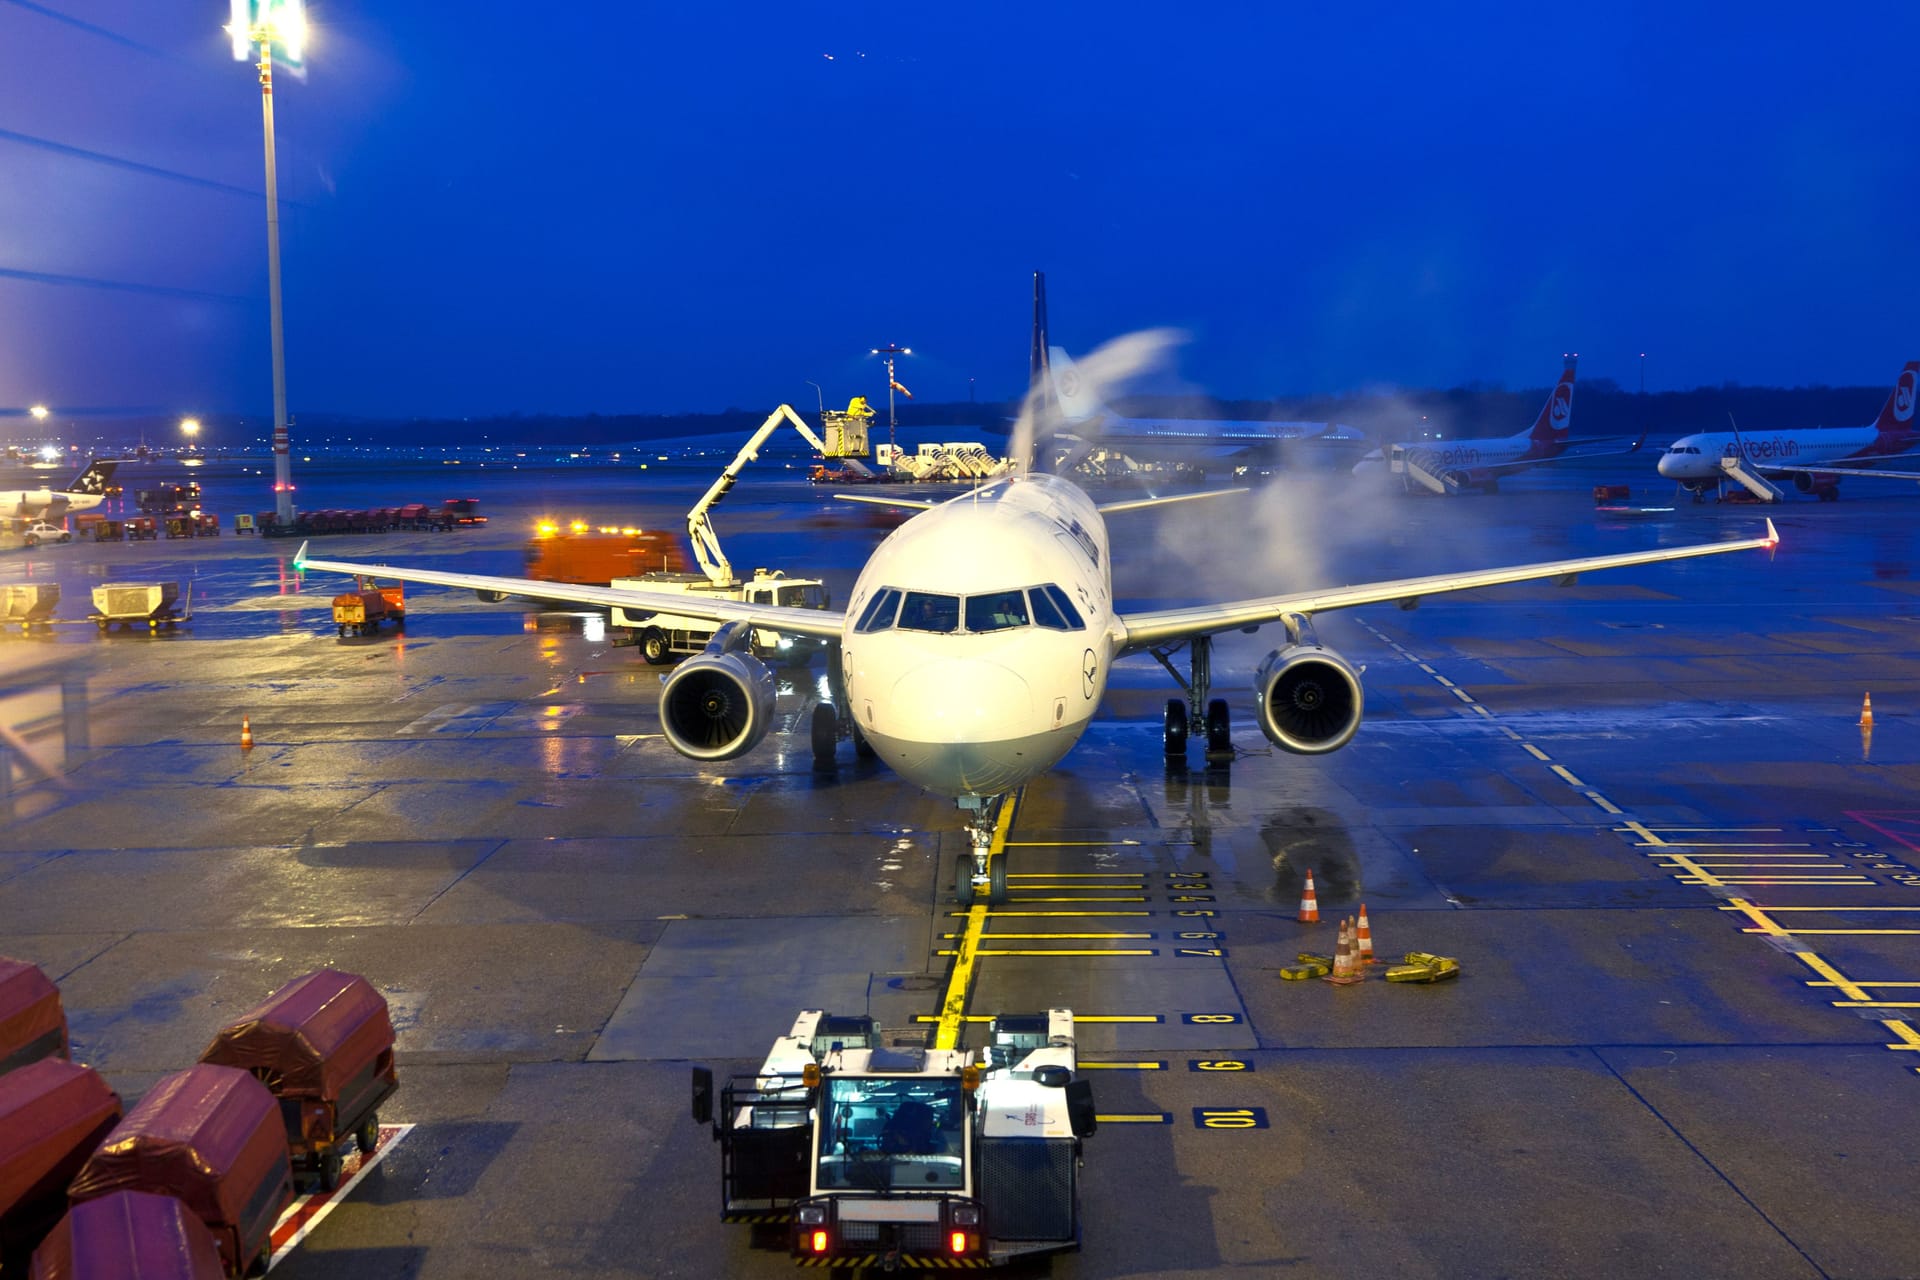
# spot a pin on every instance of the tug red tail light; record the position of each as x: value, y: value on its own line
x: 957, y: 1241
x: 817, y: 1241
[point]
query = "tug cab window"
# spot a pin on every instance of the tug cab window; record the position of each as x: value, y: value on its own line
x: 879, y: 614
x: 930, y: 611
x: 997, y: 611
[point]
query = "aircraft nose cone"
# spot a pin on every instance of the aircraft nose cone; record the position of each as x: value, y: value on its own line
x: 1665, y: 466
x: 960, y: 701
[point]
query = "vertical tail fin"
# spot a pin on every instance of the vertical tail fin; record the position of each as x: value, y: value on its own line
x: 1037, y: 351
x: 1077, y: 401
x: 1551, y: 430
x: 1896, y: 416
x: 95, y: 478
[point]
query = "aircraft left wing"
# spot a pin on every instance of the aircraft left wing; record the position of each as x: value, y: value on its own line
x: 1142, y: 631
x: 823, y: 623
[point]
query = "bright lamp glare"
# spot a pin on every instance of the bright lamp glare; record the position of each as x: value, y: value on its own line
x: 39, y: 413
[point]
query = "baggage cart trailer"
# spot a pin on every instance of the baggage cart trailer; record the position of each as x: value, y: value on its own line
x: 129, y: 1233
x: 323, y: 1045
x: 28, y: 604
x: 210, y: 1136
x: 135, y: 604
x: 32, y: 1023
x: 878, y: 1156
x: 53, y: 1114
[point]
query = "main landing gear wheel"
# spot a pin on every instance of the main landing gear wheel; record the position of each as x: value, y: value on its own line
x: 1219, y: 732
x: 653, y: 647
x: 861, y: 747
x: 826, y: 735
x: 1176, y: 728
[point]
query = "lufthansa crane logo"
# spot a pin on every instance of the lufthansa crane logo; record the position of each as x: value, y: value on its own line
x: 1562, y: 408
x: 1089, y: 668
x: 1070, y: 382
x: 1903, y: 397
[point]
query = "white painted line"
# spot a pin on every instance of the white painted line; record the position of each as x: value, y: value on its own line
x: 333, y: 1199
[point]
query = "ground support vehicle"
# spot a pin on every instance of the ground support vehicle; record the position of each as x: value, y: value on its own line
x: 33, y: 1025
x: 363, y: 609
x: 53, y: 1114
x: 28, y: 604
x: 663, y: 636
x: 40, y: 531
x: 595, y: 557
x: 878, y: 1156
x: 323, y: 1044
x: 133, y: 604
x: 212, y: 1137
x: 129, y: 1233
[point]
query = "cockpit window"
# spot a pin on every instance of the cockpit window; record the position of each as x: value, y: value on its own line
x: 1053, y: 609
x: 929, y: 611
x: 997, y: 611
x: 879, y: 614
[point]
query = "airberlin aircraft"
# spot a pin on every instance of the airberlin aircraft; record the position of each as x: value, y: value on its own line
x: 1813, y: 457
x: 978, y: 641
x: 1457, y: 465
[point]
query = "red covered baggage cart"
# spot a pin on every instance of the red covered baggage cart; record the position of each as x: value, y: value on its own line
x: 129, y: 1235
x: 211, y: 1136
x: 53, y: 1113
x: 324, y: 1045
x: 32, y: 1023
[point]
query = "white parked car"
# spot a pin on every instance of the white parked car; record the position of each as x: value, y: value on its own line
x: 40, y: 531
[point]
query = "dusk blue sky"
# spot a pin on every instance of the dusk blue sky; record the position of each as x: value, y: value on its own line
x: 495, y: 206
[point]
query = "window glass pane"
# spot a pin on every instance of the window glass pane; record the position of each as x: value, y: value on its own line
x: 1045, y: 612
x: 997, y: 611
x: 1065, y: 602
x: 926, y: 611
x: 879, y: 614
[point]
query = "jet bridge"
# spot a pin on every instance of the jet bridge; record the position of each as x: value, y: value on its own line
x: 1759, y: 486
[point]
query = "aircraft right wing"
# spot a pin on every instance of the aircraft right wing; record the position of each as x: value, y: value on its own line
x: 823, y: 623
x: 1142, y: 631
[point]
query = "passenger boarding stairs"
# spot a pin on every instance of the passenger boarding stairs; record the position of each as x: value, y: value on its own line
x: 1422, y: 467
x: 1759, y: 486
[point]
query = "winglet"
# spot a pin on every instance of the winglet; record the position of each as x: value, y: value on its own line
x: 300, y: 557
x: 1773, y: 535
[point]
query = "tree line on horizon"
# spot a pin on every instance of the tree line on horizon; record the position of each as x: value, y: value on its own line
x: 1601, y: 407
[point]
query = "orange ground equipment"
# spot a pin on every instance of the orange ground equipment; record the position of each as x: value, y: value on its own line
x: 1309, y: 903
x: 1363, y: 939
x: 363, y: 609
x: 129, y: 1233
x: 53, y: 1113
x: 32, y: 1023
x: 1866, y: 712
x: 595, y: 557
x: 212, y: 1137
x: 1345, y: 971
x: 323, y: 1044
x: 246, y: 734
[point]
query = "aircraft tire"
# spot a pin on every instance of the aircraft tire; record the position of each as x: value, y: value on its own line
x: 963, y: 880
x: 997, y: 880
x: 654, y: 647
x: 1219, y: 730
x: 826, y: 735
x: 1175, y: 728
x: 861, y: 747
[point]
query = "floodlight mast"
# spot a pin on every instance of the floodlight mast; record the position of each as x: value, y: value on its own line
x: 286, y: 25
x: 891, y: 351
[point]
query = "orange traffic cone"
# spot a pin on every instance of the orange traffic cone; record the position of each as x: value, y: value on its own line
x: 1345, y: 971
x: 1363, y: 939
x: 1309, y: 904
x: 246, y: 734
x: 1866, y: 712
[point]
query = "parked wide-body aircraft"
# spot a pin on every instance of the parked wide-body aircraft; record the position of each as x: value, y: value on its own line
x: 1082, y: 410
x: 1814, y: 458
x: 979, y: 638
x: 1454, y: 466
x: 86, y: 490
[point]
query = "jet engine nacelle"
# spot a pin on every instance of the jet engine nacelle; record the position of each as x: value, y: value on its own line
x: 1309, y: 699
x: 719, y: 703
